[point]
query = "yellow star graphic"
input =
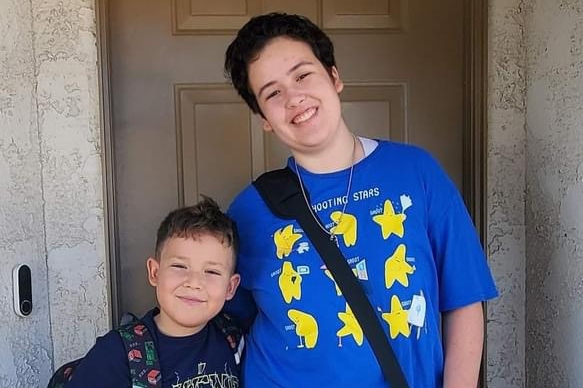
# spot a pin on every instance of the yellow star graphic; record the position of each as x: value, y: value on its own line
x: 345, y: 226
x: 397, y: 319
x: 290, y: 283
x: 396, y: 268
x: 284, y: 240
x: 306, y: 327
x: 351, y: 326
x: 389, y: 221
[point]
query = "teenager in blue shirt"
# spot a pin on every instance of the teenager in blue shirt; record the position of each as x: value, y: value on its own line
x: 396, y: 216
x: 193, y: 273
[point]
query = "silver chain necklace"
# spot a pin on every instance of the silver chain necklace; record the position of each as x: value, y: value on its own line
x: 333, y: 236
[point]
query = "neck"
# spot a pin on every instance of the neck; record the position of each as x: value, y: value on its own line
x: 340, y: 154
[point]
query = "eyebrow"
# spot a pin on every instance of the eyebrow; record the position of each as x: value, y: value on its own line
x: 210, y: 262
x: 291, y: 70
x: 216, y: 263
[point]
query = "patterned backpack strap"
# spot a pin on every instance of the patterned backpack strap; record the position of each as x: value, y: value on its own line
x: 232, y: 333
x: 63, y: 374
x: 142, y: 355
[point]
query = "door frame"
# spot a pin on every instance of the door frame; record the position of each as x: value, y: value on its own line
x: 475, y: 130
x: 475, y: 56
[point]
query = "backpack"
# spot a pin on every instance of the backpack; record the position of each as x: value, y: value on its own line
x: 142, y: 354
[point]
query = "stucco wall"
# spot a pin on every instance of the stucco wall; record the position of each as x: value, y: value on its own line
x: 51, y: 195
x: 68, y: 112
x: 506, y: 192
x: 25, y: 348
x: 554, y: 205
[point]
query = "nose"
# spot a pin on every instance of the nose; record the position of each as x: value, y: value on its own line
x: 296, y: 100
x: 193, y: 280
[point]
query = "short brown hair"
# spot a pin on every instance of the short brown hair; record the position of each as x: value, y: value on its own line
x: 205, y: 217
x: 257, y: 33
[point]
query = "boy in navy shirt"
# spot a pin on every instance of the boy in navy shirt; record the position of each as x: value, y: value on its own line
x: 193, y: 273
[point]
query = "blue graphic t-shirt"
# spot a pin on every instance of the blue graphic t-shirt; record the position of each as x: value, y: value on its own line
x: 409, y: 240
x: 201, y: 360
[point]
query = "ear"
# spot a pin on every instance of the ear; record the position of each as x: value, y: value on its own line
x: 266, y: 125
x: 338, y: 84
x: 232, y: 287
x: 153, y: 267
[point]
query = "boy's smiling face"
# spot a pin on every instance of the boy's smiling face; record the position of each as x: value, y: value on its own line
x: 297, y: 95
x: 193, y: 278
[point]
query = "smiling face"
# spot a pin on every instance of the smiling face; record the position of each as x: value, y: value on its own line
x: 297, y: 95
x: 193, y: 278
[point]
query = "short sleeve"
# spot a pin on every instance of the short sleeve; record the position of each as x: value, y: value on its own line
x: 462, y: 269
x: 105, y: 365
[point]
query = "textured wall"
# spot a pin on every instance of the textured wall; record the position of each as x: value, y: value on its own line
x: 68, y: 112
x: 506, y: 193
x: 26, y: 356
x: 51, y: 206
x: 554, y: 206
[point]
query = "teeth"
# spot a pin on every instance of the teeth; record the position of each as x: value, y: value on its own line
x: 304, y: 116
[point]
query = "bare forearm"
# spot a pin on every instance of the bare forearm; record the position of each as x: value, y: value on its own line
x: 463, y: 342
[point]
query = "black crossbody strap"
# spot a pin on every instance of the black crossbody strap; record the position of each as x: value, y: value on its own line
x: 280, y: 191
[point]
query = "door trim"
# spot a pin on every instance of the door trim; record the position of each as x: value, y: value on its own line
x: 474, y: 136
x: 474, y: 111
x: 108, y: 162
x: 474, y: 171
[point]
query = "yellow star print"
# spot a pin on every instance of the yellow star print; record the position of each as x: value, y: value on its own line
x: 396, y: 268
x: 306, y: 327
x: 290, y: 283
x: 284, y: 240
x: 345, y: 226
x: 397, y: 319
x: 390, y: 222
x: 351, y: 326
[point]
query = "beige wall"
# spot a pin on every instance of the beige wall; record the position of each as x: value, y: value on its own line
x: 28, y: 352
x: 506, y: 192
x: 52, y: 212
x: 535, y: 192
x: 554, y: 205
x: 51, y: 202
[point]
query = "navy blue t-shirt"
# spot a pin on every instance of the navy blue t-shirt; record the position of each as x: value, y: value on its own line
x: 200, y: 360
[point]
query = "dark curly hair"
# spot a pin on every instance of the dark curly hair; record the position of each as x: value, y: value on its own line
x: 255, y: 35
x: 203, y: 218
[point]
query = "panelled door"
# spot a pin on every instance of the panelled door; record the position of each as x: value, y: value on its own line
x: 179, y: 130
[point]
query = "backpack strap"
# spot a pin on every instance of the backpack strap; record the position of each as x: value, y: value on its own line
x: 281, y: 192
x: 142, y: 356
x: 232, y: 332
x: 64, y: 374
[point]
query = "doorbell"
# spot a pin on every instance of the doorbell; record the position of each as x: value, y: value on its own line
x: 22, y: 282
